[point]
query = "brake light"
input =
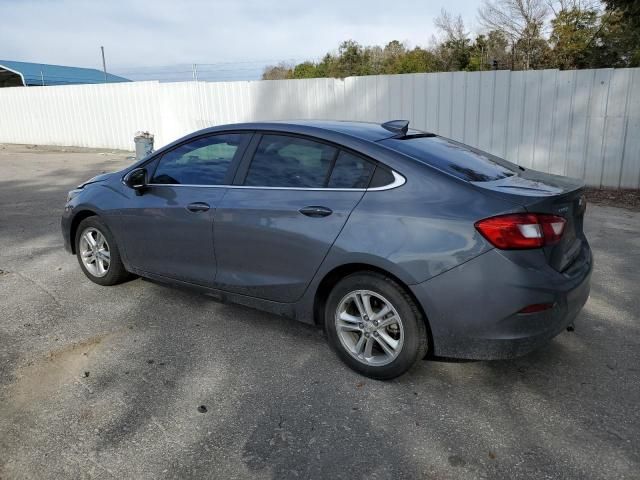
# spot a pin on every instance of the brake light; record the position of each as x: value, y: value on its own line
x: 536, y: 308
x: 522, y: 230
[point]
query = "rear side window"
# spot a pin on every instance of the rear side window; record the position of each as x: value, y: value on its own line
x: 283, y: 161
x: 381, y: 178
x: 350, y: 171
x: 455, y: 158
x: 204, y: 161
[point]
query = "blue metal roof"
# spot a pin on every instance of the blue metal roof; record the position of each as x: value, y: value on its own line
x: 39, y: 74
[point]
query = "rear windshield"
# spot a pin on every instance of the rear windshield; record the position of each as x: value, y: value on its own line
x: 455, y: 158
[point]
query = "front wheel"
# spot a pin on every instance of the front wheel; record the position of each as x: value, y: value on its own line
x: 98, y: 253
x: 375, y: 326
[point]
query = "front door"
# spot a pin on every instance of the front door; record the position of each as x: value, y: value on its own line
x: 168, y: 230
x: 273, y: 231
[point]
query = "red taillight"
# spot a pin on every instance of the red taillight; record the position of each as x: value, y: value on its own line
x: 536, y: 307
x: 522, y: 230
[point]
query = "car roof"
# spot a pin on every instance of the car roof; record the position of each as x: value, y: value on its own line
x: 372, y: 132
x: 363, y: 130
x: 332, y: 130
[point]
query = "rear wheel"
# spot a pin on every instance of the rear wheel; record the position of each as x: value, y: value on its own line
x: 98, y: 253
x: 375, y: 326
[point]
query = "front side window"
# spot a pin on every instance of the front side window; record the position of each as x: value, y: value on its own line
x: 283, y: 161
x: 204, y: 161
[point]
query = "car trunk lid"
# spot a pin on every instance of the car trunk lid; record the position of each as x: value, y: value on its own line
x: 539, y: 192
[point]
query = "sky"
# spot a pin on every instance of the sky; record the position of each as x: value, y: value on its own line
x: 230, y: 40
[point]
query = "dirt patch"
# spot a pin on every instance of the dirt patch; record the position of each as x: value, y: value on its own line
x: 623, y: 198
x: 56, y: 371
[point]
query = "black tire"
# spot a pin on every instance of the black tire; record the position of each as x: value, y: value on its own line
x: 415, y: 344
x: 116, y: 272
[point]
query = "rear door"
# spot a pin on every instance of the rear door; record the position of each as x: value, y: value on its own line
x: 168, y: 229
x: 291, y: 198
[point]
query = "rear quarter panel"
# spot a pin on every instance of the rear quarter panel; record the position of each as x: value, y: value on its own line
x: 418, y: 230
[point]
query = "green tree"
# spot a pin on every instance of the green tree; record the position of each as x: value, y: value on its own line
x: 521, y: 35
x: 629, y: 11
x: 416, y: 61
x: 392, y: 56
x: 572, y: 34
x: 532, y: 51
x: 375, y: 57
x: 454, y: 52
x: 616, y: 43
x: 350, y: 60
x: 490, y: 51
x: 521, y: 22
x: 282, y: 71
x: 305, y: 70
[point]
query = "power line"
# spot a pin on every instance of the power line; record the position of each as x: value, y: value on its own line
x: 217, y: 67
x: 238, y: 62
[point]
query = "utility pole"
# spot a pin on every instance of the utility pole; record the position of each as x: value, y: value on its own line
x: 42, y: 78
x: 104, y: 65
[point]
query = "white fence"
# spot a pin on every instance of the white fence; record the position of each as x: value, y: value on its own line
x: 582, y: 123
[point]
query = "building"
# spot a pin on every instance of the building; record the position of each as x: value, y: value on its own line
x: 19, y: 74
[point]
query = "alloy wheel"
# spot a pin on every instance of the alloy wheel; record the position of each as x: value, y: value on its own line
x: 369, y: 327
x: 94, y: 252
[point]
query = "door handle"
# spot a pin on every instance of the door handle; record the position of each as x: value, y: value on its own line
x: 315, y: 211
x: 198, y: 207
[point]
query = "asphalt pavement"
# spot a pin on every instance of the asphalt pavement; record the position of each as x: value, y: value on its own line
x: 144, y: 381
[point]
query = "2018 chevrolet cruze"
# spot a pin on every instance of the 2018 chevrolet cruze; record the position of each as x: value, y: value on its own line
x: 401, y: 243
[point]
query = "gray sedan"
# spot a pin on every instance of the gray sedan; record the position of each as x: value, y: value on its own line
x: 400, y: 243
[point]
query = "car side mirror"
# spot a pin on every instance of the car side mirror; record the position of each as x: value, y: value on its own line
x: 136, y: 179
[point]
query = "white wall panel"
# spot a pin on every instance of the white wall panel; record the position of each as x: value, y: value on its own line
x: 561, y: 130
x: 471, y: 98
x: 445, y: 100
x: 583, y: 123
x: 500, y: 113
x: 420, y: 101
x: 577, y: 150
x: 515, y: 117
x: 545, y: 126
x: 485, y: 110
x: 458, y: 105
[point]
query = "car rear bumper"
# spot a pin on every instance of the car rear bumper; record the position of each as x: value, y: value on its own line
x: 472, y: 309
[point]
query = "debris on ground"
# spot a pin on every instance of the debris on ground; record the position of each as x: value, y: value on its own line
x: 623, y: 198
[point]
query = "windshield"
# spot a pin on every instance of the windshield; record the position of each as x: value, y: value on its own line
x: 453, y: 157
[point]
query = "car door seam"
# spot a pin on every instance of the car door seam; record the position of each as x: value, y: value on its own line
x: 329, y: 249
x: 213, y: 233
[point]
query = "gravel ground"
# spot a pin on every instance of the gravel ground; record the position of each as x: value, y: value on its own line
x: 102, y: 382
x: 624, y: 198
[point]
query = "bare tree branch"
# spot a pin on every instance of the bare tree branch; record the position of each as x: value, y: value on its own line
x: 452, y: 27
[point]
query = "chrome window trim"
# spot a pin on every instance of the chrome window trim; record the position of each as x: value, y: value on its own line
x: 251, y: 187
x: 398, y: 181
